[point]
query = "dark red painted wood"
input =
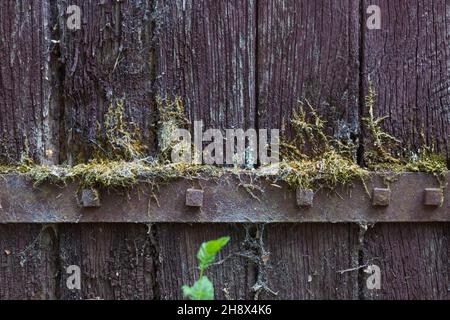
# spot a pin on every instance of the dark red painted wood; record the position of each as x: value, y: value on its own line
x: 413, y: 260
x: 29, y: 111
x: 305, y: 260
x: 109, y: 58
x: 116, y: 261
x: 28, y: 262
x: 408, y: 63
x: 206, y: 55
x: 178, y: 245
x: 308, y: 49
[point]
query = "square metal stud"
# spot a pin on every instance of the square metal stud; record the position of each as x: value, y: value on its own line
x: 305, y: 198
x: 194, y: 198
x: 434, y: 197
x: 90, y: 198
x: 381, y: 197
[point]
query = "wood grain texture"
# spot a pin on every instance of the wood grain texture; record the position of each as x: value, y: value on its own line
x: 308, y: 49
x: 413, y: 258
x: 28, y: 101
x: 109, y: 59
x: 304, y: 261
x: 116, y: 261
x: 408, y: 63
x: 178, y: 246
x: 28, y: 262
x: 206, y: 55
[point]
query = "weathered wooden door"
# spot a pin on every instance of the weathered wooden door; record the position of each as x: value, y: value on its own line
x: 235, y: 64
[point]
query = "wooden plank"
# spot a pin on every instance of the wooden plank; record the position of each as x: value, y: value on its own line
x: 116, y: 261
x: 178, y: 247
x: 305, y: 260
x: 109, y: 59
x: 29, y: 112
x: 28, y: 262
x: 408, y: 63
x: 309, y: 49
x: 413, y: 260
x: 206, y: 55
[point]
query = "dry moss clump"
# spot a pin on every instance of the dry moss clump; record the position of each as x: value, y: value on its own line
x: 325, y: 171
x: 311, y: 159
x: 119, y: 139
x: 117, y: 174
x: 379, y: 150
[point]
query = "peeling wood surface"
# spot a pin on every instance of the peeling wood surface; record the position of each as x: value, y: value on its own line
x: 413, y: 260
x: 116, y: 261
x: 206, y: 55
x: 178, y: 246
x: 29, y: 118
x: 408, y: 63
x: 28, y: 265
x: 109, y: 59
x: 235, y: 64
x: 305, y: 260
x: 309, y: 50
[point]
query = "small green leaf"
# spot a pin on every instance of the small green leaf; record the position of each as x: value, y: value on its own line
x: 208, y: 251
x: 201, y: 290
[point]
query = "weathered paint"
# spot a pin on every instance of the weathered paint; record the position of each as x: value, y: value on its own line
x: 109, y: 58
x: 408, y: 63
x: 29, y: 97
x: 206, y: 55
x: 225, y: 200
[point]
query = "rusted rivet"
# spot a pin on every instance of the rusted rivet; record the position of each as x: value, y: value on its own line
x: 434, y: 197
x: 194, y: 198
x: 305, y: 197
x: 381, y: 197
x: 90, y: 198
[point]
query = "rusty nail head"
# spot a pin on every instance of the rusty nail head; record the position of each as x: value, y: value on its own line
x: 90, y: 198
x: 194, y: 198
x: 434, y: 197
x: 305, y: 197
x: 381, y: 197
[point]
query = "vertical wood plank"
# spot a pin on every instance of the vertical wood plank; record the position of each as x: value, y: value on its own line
x: 116, y: 261
x: 413, y: 258
x: 29, y: 113
x: 309, y: 49
x: 28, y: 260
x: 305, y: 260
x: 206, y: 55
x: 110, y: 58
x: 408, y: 63
x: 178, y: 246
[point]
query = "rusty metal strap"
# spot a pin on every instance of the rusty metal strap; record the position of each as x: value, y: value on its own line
x: 410, y: 198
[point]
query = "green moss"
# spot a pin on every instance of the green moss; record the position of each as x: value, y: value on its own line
x: 117, y: 174
x: 171, y: 117
x: 311, y: 159
x: 328, y: 170
x: 119, y: 140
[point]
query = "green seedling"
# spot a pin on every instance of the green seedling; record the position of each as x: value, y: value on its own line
x: 203, y: 289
